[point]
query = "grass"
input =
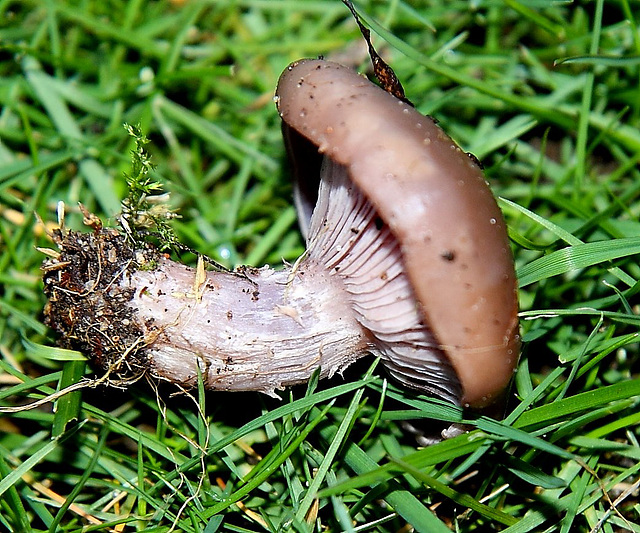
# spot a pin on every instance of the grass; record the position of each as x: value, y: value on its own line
x: 547, y: 94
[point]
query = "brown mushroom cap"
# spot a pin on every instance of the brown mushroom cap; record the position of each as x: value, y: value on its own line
x: 436, y: 202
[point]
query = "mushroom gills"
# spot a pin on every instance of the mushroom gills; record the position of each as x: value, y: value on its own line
x: 348, y: 238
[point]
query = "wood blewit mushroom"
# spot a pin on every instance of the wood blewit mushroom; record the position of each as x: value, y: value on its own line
x: 407, y: 258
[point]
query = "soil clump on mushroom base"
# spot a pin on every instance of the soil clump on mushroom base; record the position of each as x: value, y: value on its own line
x: 86, y: 303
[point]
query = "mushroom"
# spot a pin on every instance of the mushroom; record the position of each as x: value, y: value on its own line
x: 433, y: 198
x: 407, y: 258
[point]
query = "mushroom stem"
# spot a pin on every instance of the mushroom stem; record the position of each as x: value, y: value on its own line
x: 263, y: 332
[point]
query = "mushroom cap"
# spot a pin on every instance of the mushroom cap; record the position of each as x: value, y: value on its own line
x: 435, y: 200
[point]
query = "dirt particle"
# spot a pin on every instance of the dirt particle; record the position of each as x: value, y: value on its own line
x: 448, y: 255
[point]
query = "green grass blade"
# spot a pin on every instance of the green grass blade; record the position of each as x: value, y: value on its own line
x: 578, y: 403
x: 67, y: 407
x: 577, y: 257
x: 460, y: 498
x: 95, y: 175
x: 34, y: 458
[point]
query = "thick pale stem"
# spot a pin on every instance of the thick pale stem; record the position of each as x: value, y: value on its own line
x: 261, y: 332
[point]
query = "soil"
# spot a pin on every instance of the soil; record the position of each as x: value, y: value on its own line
x: 88, y: 294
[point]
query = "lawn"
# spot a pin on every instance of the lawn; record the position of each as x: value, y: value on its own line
x: 545, y: 94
